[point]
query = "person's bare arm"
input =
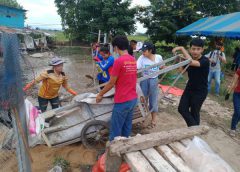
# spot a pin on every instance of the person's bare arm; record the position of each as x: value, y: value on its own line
x: 233, y: 84
x: 109, y: 86
x: 223, y: 60
x: 186, y: 56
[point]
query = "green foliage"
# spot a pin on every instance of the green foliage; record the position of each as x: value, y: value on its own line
x: 229, y: 46
x: 163, y: 18
x: 164, y: 49
x: 11, y: 3
x: 64, y: 164
x: 60, y: 36
x: 83, y: 18
x: 141, y: 38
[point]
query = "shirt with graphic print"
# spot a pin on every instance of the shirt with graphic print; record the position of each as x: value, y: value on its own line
x: 104, y: 69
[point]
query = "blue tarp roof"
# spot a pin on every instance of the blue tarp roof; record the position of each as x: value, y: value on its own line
x: 221, y: 26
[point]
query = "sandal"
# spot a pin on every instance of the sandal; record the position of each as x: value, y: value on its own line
x: 152, y: 125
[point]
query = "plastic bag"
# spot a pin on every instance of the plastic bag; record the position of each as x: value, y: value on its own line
x: 35, y: 122
x: 200, y: 158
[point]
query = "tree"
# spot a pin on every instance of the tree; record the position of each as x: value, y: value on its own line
x: 81, y: 18
x: 215, y: 8
x: 164, y: 17
x: 11, y: 3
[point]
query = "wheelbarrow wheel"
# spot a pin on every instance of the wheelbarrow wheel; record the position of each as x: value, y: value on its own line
x: 94, y: 134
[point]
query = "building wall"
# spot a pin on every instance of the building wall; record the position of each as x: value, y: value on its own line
x: 11, y: 17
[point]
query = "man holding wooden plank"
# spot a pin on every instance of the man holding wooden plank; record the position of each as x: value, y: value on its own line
x: 197, y: 86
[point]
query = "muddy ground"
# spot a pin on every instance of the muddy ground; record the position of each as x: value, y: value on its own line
x: 216, y: 115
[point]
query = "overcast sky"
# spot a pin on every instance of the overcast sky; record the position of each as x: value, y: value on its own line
x: 43, y: 13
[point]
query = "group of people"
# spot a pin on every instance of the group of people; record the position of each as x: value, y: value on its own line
x: 124, y: 77
x: 121, y: 73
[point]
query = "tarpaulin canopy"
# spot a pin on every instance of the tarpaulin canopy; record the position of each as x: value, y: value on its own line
x: 220, y: 26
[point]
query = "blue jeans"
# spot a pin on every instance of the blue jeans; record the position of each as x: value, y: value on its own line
x: 214, y: 74
x: 236, y: 114
x: 150, y: 90
x: 121, y: 121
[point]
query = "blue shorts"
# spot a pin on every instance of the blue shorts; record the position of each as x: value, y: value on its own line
x: 121, y: 120
x: 150, y: 90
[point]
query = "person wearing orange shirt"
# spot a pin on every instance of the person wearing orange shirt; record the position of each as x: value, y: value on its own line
x: 52, y: 80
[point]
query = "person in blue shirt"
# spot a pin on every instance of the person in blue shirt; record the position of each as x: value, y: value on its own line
x: 105, y: 65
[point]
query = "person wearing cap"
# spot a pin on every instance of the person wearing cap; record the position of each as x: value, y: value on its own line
x: 150, y: 86
x: 215, y: 57
x: 52, y: 80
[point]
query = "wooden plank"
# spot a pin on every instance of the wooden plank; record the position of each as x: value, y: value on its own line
x: 137, y: 120
x: 155, y: 139
x: 138, y: 162
x: 167, y: 69
x: 175, y: 160
x: 186, y: 142
x: 158, y: 64
x: 157, y: 161
x: 177, y: 147
x: 46, y: 139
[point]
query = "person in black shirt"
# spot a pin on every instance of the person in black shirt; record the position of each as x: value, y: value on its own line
x: 197, y: 86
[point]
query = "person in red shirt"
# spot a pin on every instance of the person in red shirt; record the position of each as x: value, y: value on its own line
x: 236, y: 101
x: 124, y: 78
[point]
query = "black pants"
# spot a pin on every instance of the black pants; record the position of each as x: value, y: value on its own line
x: 43, y: 103
x: 190, y: 105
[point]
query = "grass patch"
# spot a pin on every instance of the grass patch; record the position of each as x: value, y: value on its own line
x: 141, y: 38
x: 64, y: 164
x: 60, y: 36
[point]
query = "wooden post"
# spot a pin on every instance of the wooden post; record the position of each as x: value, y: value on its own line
x: 99, y: 36
x: 105, y: 38
x: 155, y: 139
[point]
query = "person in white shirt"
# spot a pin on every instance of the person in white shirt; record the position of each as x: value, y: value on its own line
x: 150, y: 86
x: 215, y: 57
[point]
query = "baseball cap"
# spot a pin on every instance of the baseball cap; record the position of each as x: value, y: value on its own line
x: 147, y: 46
x: 56, y: 61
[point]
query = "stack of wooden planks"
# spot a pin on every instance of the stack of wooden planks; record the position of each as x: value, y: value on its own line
x: 164, y: 158
x: 155, y: 152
